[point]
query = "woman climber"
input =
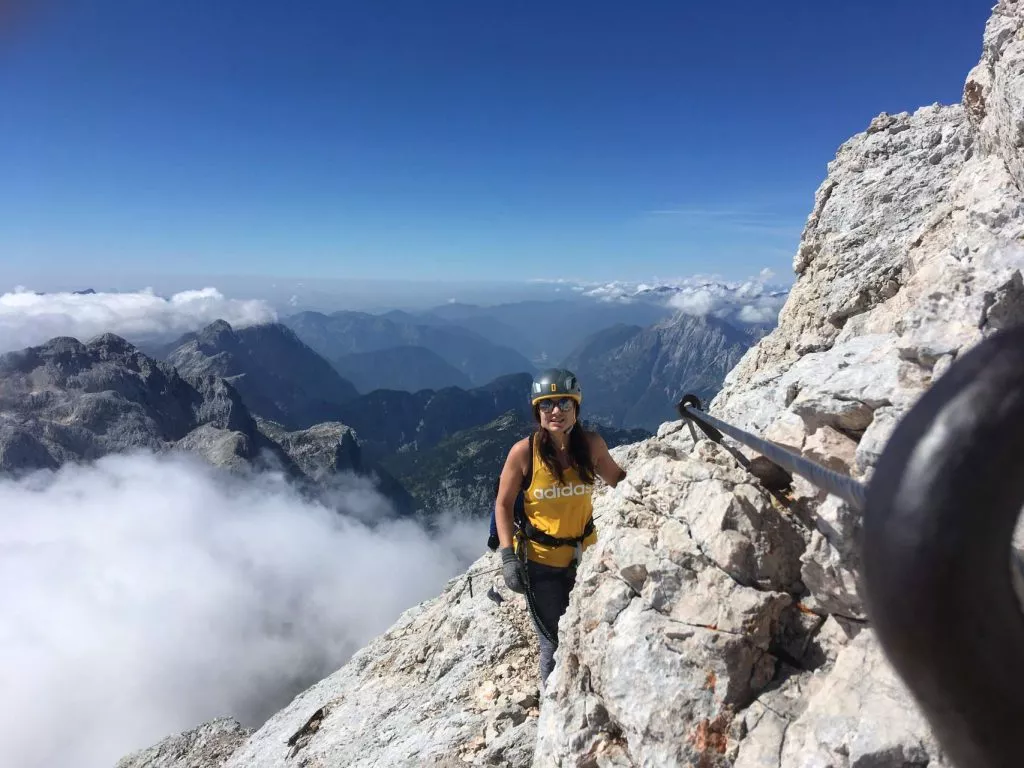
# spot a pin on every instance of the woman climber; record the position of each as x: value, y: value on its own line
x: 555, y: 469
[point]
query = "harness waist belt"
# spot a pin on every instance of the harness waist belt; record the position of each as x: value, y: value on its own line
x: 551, y: 541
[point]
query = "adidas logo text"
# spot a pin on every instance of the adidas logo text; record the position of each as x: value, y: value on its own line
x: 558, y: 491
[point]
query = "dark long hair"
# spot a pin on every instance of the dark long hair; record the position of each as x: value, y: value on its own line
x: 579, y: 449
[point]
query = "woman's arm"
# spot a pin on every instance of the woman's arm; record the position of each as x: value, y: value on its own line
x: 511, y: 483
x: 604, y: 464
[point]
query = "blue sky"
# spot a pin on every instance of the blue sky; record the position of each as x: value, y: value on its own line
x: 443, y: 140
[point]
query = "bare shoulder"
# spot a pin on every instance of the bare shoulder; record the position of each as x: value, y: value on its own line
x: 519, y: 453
x: 521, y: 446
x: 596, y: 441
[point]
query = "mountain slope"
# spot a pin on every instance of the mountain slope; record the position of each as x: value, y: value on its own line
x: 346, y: 333
x: 389, y: 421
x: 407, y: 368
x: 67, y: 401
x: 634, y: 376
x: 546, y: 331
x: 331, y: 447
x: 278, y: 376
x: 458, y: 474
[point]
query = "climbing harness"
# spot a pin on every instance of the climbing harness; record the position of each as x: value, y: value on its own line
x: 843, y: 486
x: 531, y: 533
x: 523, y: 532
x: 521, y: 536
x: 531, y: 603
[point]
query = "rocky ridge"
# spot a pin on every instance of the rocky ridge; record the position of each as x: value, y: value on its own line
x: 716, y: 622
x: 278, y: 376
x: 68, y: 401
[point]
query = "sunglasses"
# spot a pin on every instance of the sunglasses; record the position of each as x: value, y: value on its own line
x: 563, y: 403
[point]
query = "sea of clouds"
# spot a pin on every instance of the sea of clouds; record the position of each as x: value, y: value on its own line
x: 145, y: 594
x: 28, y: 318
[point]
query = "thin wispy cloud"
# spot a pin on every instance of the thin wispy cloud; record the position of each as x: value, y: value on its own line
x: 28, y: 318
x: 761, y: 221
x: 705, y: 213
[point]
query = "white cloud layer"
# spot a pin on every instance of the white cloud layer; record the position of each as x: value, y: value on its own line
x: 698, y: 302
x: 749, y: 301
x: 143, y: 595
x: 28, y: 318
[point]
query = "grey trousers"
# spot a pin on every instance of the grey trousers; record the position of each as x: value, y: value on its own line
x: 551, y: 587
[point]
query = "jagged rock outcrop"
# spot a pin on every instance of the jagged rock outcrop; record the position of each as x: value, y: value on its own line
x: 209, y: 745
x: 278, y: 376
x: 324, y: 450
x: 716, y: 622
x: 691, y: 640
x: 910, y: 256
x: 320, y: 450
x: 452, y: 681
x: 66, y: 401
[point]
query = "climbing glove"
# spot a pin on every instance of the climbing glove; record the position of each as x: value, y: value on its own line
x: 512, y: 570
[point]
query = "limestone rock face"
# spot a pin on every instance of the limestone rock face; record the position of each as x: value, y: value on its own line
x: 674, y: 616
x: 856, y: 713
x: 717, y: 621
x: 68, y: 401
x: 994, y: 90
x: 911, y: 255
x: 208, y: 745
x: 453, y: 682
x: 691, y: 641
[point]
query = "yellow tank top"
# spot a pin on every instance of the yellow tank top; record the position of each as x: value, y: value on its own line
x: 560, y: 510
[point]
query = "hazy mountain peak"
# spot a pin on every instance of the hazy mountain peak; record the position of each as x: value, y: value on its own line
x: 344, y: 333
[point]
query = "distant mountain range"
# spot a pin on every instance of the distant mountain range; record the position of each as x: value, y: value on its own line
x: 389, y: 421
x: 66, y: 401
x: 409, y: 368
x: 634, y: 359
x: 543, y: 331
x: 340, y: 335
x: 634, y: 376
x: 282, y: 380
